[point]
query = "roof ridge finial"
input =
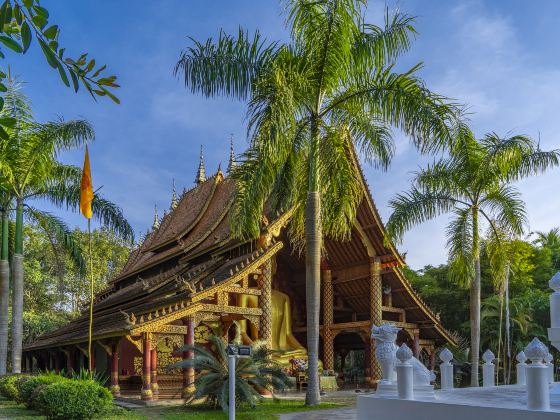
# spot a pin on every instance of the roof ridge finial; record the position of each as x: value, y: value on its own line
x: 156, y: 219
x: 232, y: 162
x: 174, y: 200
x: 201, y: 174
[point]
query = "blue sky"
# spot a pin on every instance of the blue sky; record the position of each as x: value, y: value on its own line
x: 498, y: 57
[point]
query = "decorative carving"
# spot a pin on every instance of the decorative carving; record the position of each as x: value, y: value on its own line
x: 265, y: 303
x: 376, y: 309
x: 536, y: 351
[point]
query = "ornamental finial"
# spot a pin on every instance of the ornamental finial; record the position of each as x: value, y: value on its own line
x: 521, y: 358
x: 488, y: 356
x: 404, y: 354
x: 201, y: 173
x: 446, y: 356
x: 232, y: 162
x: 536, y: 351
x: 156, y: 219
x: 174, y: 200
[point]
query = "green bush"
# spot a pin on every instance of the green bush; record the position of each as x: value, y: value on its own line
x: 27, y: 388
x: 8, y: 386
x: 74, y: 399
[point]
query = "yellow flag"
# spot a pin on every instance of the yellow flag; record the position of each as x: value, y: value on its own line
x: 86, y: 189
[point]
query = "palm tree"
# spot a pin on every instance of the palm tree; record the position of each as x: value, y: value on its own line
x: 310, y: 102
x: 4, y: 278
x: 252, y: 374
x: 550, y: 239
x: 29, y: 171
x: 473, y: 183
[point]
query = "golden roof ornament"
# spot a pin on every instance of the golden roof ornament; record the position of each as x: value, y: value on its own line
x: 201, y: 173
x: 156, y: 223
x: 174, y: 200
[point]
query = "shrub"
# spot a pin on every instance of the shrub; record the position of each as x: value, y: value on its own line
x: 27, y: 388
x: 74, y: 399
x: 8, y: 386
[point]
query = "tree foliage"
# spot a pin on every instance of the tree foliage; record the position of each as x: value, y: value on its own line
x: 25, y: 20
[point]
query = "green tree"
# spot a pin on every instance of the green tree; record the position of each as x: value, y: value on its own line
x: 30, y: 171
x: 20, y: 22
x: 473, y: 183
x: 310, y: 103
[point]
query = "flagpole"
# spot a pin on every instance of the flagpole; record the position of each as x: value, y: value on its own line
x: 90, y: 299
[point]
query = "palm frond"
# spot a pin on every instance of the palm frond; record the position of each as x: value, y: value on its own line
x: 225, y: 67
x: 415, y: 207
x: 460, y: 246
x: 404, y: 102
x: 505, y: 205
x: 380, y: 46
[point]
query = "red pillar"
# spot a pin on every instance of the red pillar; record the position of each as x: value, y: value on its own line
x: 416, y: 344
x: 115, y: 388
x: 188, y: 373
x: 155, y: 386
x: 146, y: 369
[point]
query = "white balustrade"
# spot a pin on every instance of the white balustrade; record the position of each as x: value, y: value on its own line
x: 446, y: 369
x: 521, y: 368
x: 488, y: 369
x: 404, y: 373
x: 538, y: 397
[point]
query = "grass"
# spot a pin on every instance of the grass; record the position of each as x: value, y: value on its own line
x: 12, y: 410
x: 267, y: 410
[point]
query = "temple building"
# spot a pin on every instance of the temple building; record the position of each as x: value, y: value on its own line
x: 190, y: 276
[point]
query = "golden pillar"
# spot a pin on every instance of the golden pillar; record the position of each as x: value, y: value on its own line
x: 264, y: 283
x: 328, y: 338
x: 376, y: 315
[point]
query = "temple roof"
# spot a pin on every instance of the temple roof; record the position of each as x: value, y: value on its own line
x: 189, y: 254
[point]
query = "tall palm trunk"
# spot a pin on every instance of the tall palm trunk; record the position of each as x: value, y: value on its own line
x: 17, y: 292
x: 313, y: 242
x: 475, y: 303
x: 4, y: 293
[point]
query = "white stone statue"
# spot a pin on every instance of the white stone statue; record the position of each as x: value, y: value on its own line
x: 385, y: 337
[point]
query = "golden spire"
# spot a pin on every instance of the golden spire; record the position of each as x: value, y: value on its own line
x: 231, y: 155
x: 156, y: 219
x: 174, y: 200
x: 201, y: 174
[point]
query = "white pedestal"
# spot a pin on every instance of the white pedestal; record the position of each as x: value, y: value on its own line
x: 386, y: 389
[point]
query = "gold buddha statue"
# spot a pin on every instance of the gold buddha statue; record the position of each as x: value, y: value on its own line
x: 282, y: 337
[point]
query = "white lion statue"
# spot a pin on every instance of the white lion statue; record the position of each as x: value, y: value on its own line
x: 385, y: 351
